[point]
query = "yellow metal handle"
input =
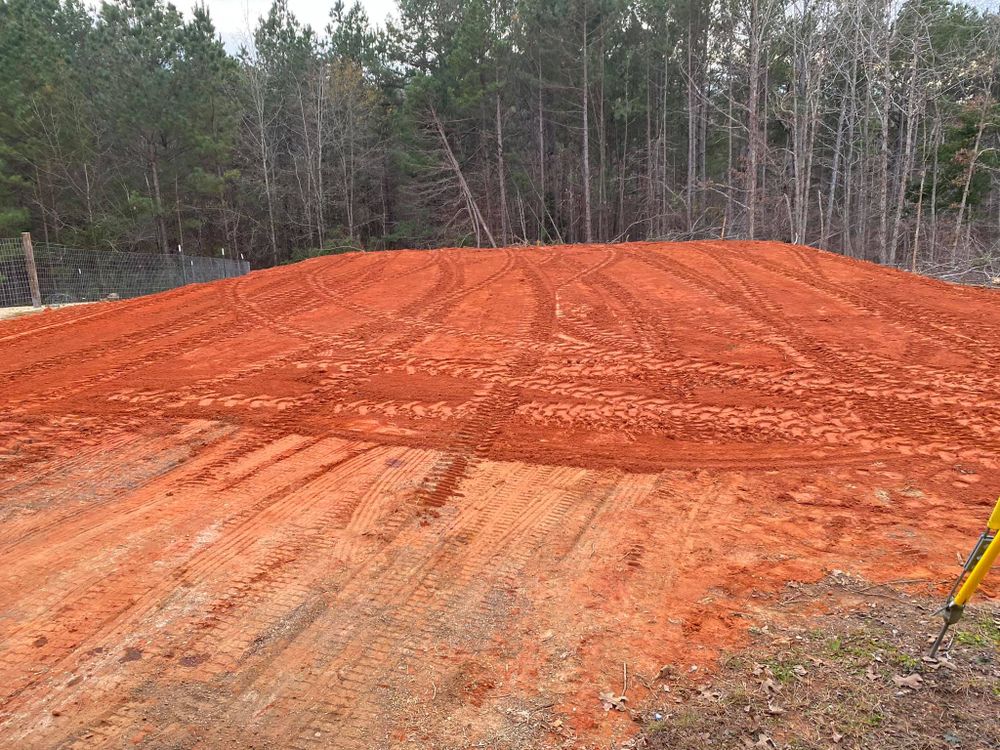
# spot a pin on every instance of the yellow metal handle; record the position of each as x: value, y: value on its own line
x: 994, y: 522
x: 978, y: 572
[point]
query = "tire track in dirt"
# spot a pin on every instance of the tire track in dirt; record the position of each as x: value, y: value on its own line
x: 846, y: 388
x: 889, y: 312
x: 441, y: 487
x: 926, y: 377
x: 508, y: 542
x: 78, y: 314
x: 892, y: 302
x: 102, y: 472
x: 864, y: 303
x: 457, y: 464
x: 909, y: 425
x: 705, y: 422
x: 405, y: 331
x: 451, y: 280
x: 135, y: 307
x: 143, y: 595
x: 490, y: 408
x: 730, y: 296
x: 365, y: 537
x: 299, y: 301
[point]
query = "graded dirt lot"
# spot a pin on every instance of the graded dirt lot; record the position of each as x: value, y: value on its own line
x: 435, y: 499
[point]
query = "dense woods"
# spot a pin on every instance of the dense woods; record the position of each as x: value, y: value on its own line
x: 864, y: 126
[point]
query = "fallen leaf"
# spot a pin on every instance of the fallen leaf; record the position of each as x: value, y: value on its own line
x: 770, y: 686
x: 911, y: 681
x: 936, y: 663
x: 610, y: 701
x: 705, y: 691
x: 870, y: 673
x: 775, y: 710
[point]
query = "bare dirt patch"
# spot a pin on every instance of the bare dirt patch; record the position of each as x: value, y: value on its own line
x: 435, y: 498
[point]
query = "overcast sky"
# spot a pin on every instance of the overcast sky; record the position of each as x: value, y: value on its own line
x: 233, y: 18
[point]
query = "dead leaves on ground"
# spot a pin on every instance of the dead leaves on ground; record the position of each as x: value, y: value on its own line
x: 611, y: 701
x: 911, y: 681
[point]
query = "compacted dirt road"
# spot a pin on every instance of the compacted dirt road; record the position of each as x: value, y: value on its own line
x: 434, y: 499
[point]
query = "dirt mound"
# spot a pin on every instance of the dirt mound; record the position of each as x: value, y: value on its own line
x: 439, y: 498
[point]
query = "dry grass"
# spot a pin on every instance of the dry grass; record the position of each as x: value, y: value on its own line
x: 840, y: 680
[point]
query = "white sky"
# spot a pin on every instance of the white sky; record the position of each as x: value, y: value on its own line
x: 234, y: 19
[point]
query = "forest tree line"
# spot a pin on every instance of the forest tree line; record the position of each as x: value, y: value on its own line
x: 863, y: 126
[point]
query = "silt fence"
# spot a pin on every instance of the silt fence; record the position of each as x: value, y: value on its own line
x: 66, y: 274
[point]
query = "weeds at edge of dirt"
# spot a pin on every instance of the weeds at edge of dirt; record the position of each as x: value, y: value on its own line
x: 854, y: 677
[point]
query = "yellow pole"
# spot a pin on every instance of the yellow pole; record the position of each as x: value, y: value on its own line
x: 994, y: 523
x: 978, y: 572
x: 955, y: 606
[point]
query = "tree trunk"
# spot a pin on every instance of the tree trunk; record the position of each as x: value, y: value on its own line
x: 753, y: 119
x: 967, y: 183
x: 835, y: 170
x: 501, y: 176
x: 475, y: 216
x: 587, y: 226
x: 882, y: 238
x: 692, y: 151
x: 157, y: 199
x: 602, y: 143
x: 543, y: 208
x: 909, y: 153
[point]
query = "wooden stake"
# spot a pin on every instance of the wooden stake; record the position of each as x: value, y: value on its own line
x: 29, y: 264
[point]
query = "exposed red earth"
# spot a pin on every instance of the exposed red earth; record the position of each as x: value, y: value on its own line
x: 408, y: 499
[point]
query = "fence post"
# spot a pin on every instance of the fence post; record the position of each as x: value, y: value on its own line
x: 29, y: 264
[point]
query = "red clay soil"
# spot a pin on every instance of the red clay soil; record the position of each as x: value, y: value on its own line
x: 421, y: 499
